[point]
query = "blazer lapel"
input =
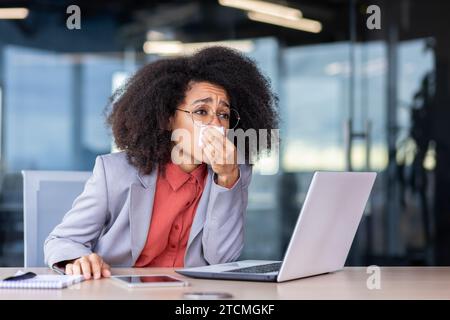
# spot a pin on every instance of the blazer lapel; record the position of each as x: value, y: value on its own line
x: 141, y: 206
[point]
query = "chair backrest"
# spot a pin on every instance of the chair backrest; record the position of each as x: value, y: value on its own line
x: 47, y: 197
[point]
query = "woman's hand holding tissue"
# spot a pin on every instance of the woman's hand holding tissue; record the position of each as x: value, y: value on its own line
x: 221, y: 155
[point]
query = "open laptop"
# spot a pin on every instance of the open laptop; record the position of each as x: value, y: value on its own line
x: 322, y: 237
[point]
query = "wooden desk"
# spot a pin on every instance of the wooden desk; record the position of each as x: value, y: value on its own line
x: 350, y: 283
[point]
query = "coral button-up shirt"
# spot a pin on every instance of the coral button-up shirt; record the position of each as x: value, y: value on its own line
x: 176, y: 198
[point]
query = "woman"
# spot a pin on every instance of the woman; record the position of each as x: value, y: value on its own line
x: 149, y: 206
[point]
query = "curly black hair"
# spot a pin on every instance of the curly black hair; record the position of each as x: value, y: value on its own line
x: 139, y: 111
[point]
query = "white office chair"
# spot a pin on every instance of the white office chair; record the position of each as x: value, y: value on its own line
x: 47, y: 196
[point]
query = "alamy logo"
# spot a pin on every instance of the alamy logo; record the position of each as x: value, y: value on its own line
x: 374, y: 20
x: 374, y: 280
x: 74, y: 20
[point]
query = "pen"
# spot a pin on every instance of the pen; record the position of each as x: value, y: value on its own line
x: 24, y: 276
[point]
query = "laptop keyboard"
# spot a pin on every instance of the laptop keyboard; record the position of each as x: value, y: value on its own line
x: 264, y: 268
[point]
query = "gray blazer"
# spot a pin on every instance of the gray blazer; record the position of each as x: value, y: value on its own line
x: 112, y: 215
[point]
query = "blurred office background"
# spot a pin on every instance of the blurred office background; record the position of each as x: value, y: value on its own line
x: 351, y: 98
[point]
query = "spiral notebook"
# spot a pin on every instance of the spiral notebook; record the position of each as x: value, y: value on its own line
x: 50, y: 281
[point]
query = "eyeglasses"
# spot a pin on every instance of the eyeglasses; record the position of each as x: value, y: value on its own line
x: 205, y: 116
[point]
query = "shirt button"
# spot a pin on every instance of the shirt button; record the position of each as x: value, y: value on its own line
x: 173, y: 246
x: 177, y: 227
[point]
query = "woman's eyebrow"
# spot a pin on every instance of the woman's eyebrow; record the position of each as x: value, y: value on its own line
x: 209, y: 99
x: 225, y: 103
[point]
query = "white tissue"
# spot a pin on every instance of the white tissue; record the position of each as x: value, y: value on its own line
x: 202, y: 129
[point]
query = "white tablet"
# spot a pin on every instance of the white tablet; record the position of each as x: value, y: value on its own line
x: 153, y: 280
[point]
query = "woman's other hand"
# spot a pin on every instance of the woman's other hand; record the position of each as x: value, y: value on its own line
x: 89, y: 266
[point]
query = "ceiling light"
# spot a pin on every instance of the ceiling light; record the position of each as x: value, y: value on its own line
x: 264, y: 7
x: 302, y: 24
x: 13, y: 13
x: 174, y: 48
x: 163, y: 47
